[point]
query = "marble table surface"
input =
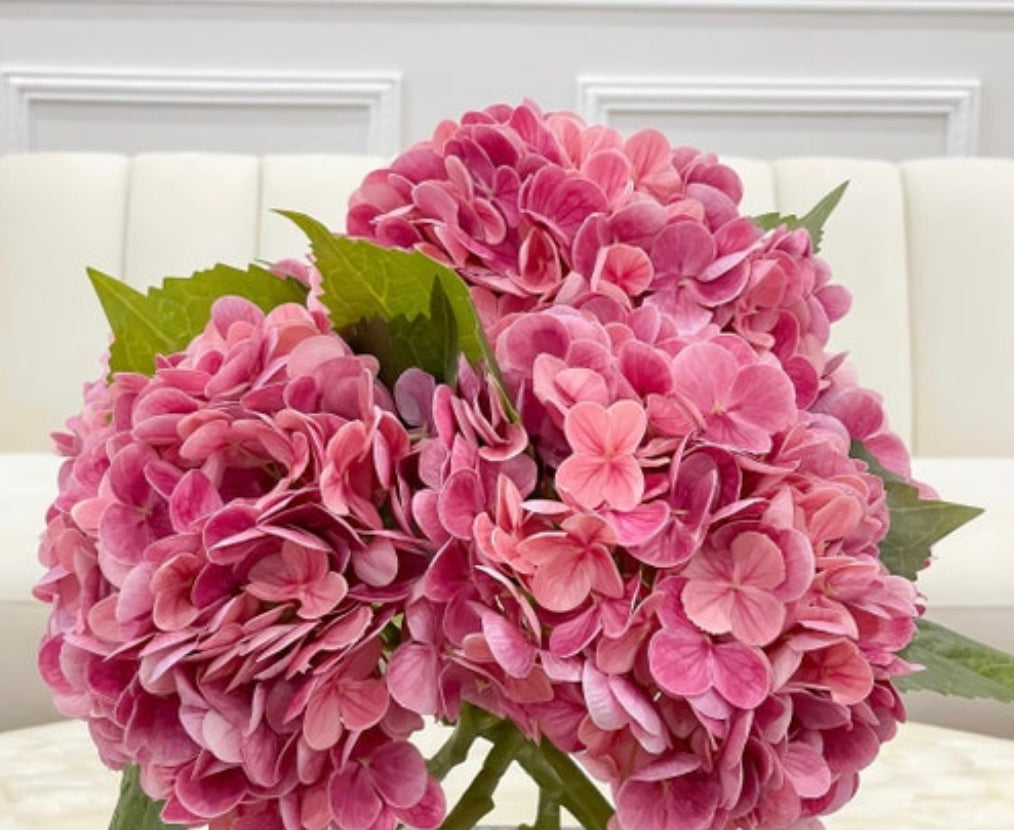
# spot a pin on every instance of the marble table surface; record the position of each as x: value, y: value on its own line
x: 927, y: 778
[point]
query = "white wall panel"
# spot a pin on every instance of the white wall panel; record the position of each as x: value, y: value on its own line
x: 864, y: 118
x: 74, y: 108
x: 870, y: 78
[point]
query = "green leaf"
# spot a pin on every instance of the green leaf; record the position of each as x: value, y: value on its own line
x: 136, y: 810
x: 957, y: 665
x: 813, y: 222
x: 363, y: 281
x: 428, y: 341
x: 167, y: 318
x: 916, y: 523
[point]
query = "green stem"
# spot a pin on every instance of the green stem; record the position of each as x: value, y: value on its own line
x: 547, y: 816
x: 477, y: 800
x: 472, y: 722
x: 564, y: 781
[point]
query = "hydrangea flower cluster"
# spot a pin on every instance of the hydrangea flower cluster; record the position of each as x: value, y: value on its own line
x: 222, y: 570
x: 649, y: 546
x: 690, y: 598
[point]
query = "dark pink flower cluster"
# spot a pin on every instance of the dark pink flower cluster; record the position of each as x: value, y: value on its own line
x: 535, y: 210
x: 688, y: 596
x: 227, y: 550
x: 265, y: 567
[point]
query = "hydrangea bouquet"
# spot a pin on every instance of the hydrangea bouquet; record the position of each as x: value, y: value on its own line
x: 550, y: 448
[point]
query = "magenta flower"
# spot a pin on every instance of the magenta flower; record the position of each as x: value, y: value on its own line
x: 266, y: 566
x: 572, y: 563
x: 603, y: 467
x: 743, y: 589
x: 738, y: 406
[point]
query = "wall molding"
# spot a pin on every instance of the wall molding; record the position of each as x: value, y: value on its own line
x: 956, y: 102
x: 22, y: 88
x: 922, y: 7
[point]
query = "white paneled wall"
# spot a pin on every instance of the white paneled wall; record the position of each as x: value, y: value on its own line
x: 888, y: 79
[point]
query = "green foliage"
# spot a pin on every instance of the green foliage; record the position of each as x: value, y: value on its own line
x: 363, y: 281
x: 957, y: 665
x: 167, y: 318
x: 916, y: 523
x: 428, y: 341
x: 813, y: 222
x: 136, y: 810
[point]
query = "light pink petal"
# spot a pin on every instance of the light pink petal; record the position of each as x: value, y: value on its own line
x: 638, y: 526
x: 841, y: 669
x: 710, y: 604
x: 413, y: 678
x: 510, y: 647
x: 222, y: 737
x: 764, y: 396
x: 603, y: 708
x: 680, y: 663
x: 377, y: 563
x: 757, y: 616
x: 355, y: 804
x: 627, y: 423
x: 399, y: 773
x: 586, y: 427
x: 460, y: 500
x: 562, y: 584
x: 604, y: 575
x: 362, y: 703
x: 807, y: 769
x: 579, y: 477
x: 610, y: 169
x: 636, y: 704
x: 683, y: 250
x: 569, y: 637
x: 704, y: 373
x: 757, y: 560
x: 742, y: 674
x: 429, y: 811
x: 621, y: 483
x: 624, y: 266
x: 322, y: 723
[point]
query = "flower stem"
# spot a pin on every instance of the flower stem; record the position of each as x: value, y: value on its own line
x: 472, y: 722
x: 547, y: 816
x: 564, y: 782
x: 477, y: 800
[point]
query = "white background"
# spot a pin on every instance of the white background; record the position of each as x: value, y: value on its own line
x: 767, y: 78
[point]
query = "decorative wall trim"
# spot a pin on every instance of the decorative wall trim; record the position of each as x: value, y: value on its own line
x: 858, y: 6
x: 954, y: 101
x: 21, y: 88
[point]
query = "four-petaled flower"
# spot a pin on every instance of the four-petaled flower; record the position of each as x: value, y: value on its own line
x: 603, y: 468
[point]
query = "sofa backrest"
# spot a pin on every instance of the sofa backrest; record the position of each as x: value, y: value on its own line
x: 920, y: 245
x: 926, y: 247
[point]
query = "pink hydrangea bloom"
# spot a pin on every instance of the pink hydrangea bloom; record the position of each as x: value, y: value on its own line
x: 265, y: 566
x: 221, y: 577
x: 658, y: 597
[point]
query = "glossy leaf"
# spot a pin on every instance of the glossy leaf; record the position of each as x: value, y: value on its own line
x: 957, y: 665
x: 166, y: 318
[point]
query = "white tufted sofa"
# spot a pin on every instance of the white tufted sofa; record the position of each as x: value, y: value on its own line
x: 927, y: 248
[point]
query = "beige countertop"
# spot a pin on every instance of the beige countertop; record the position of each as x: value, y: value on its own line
x: 927, y: 778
